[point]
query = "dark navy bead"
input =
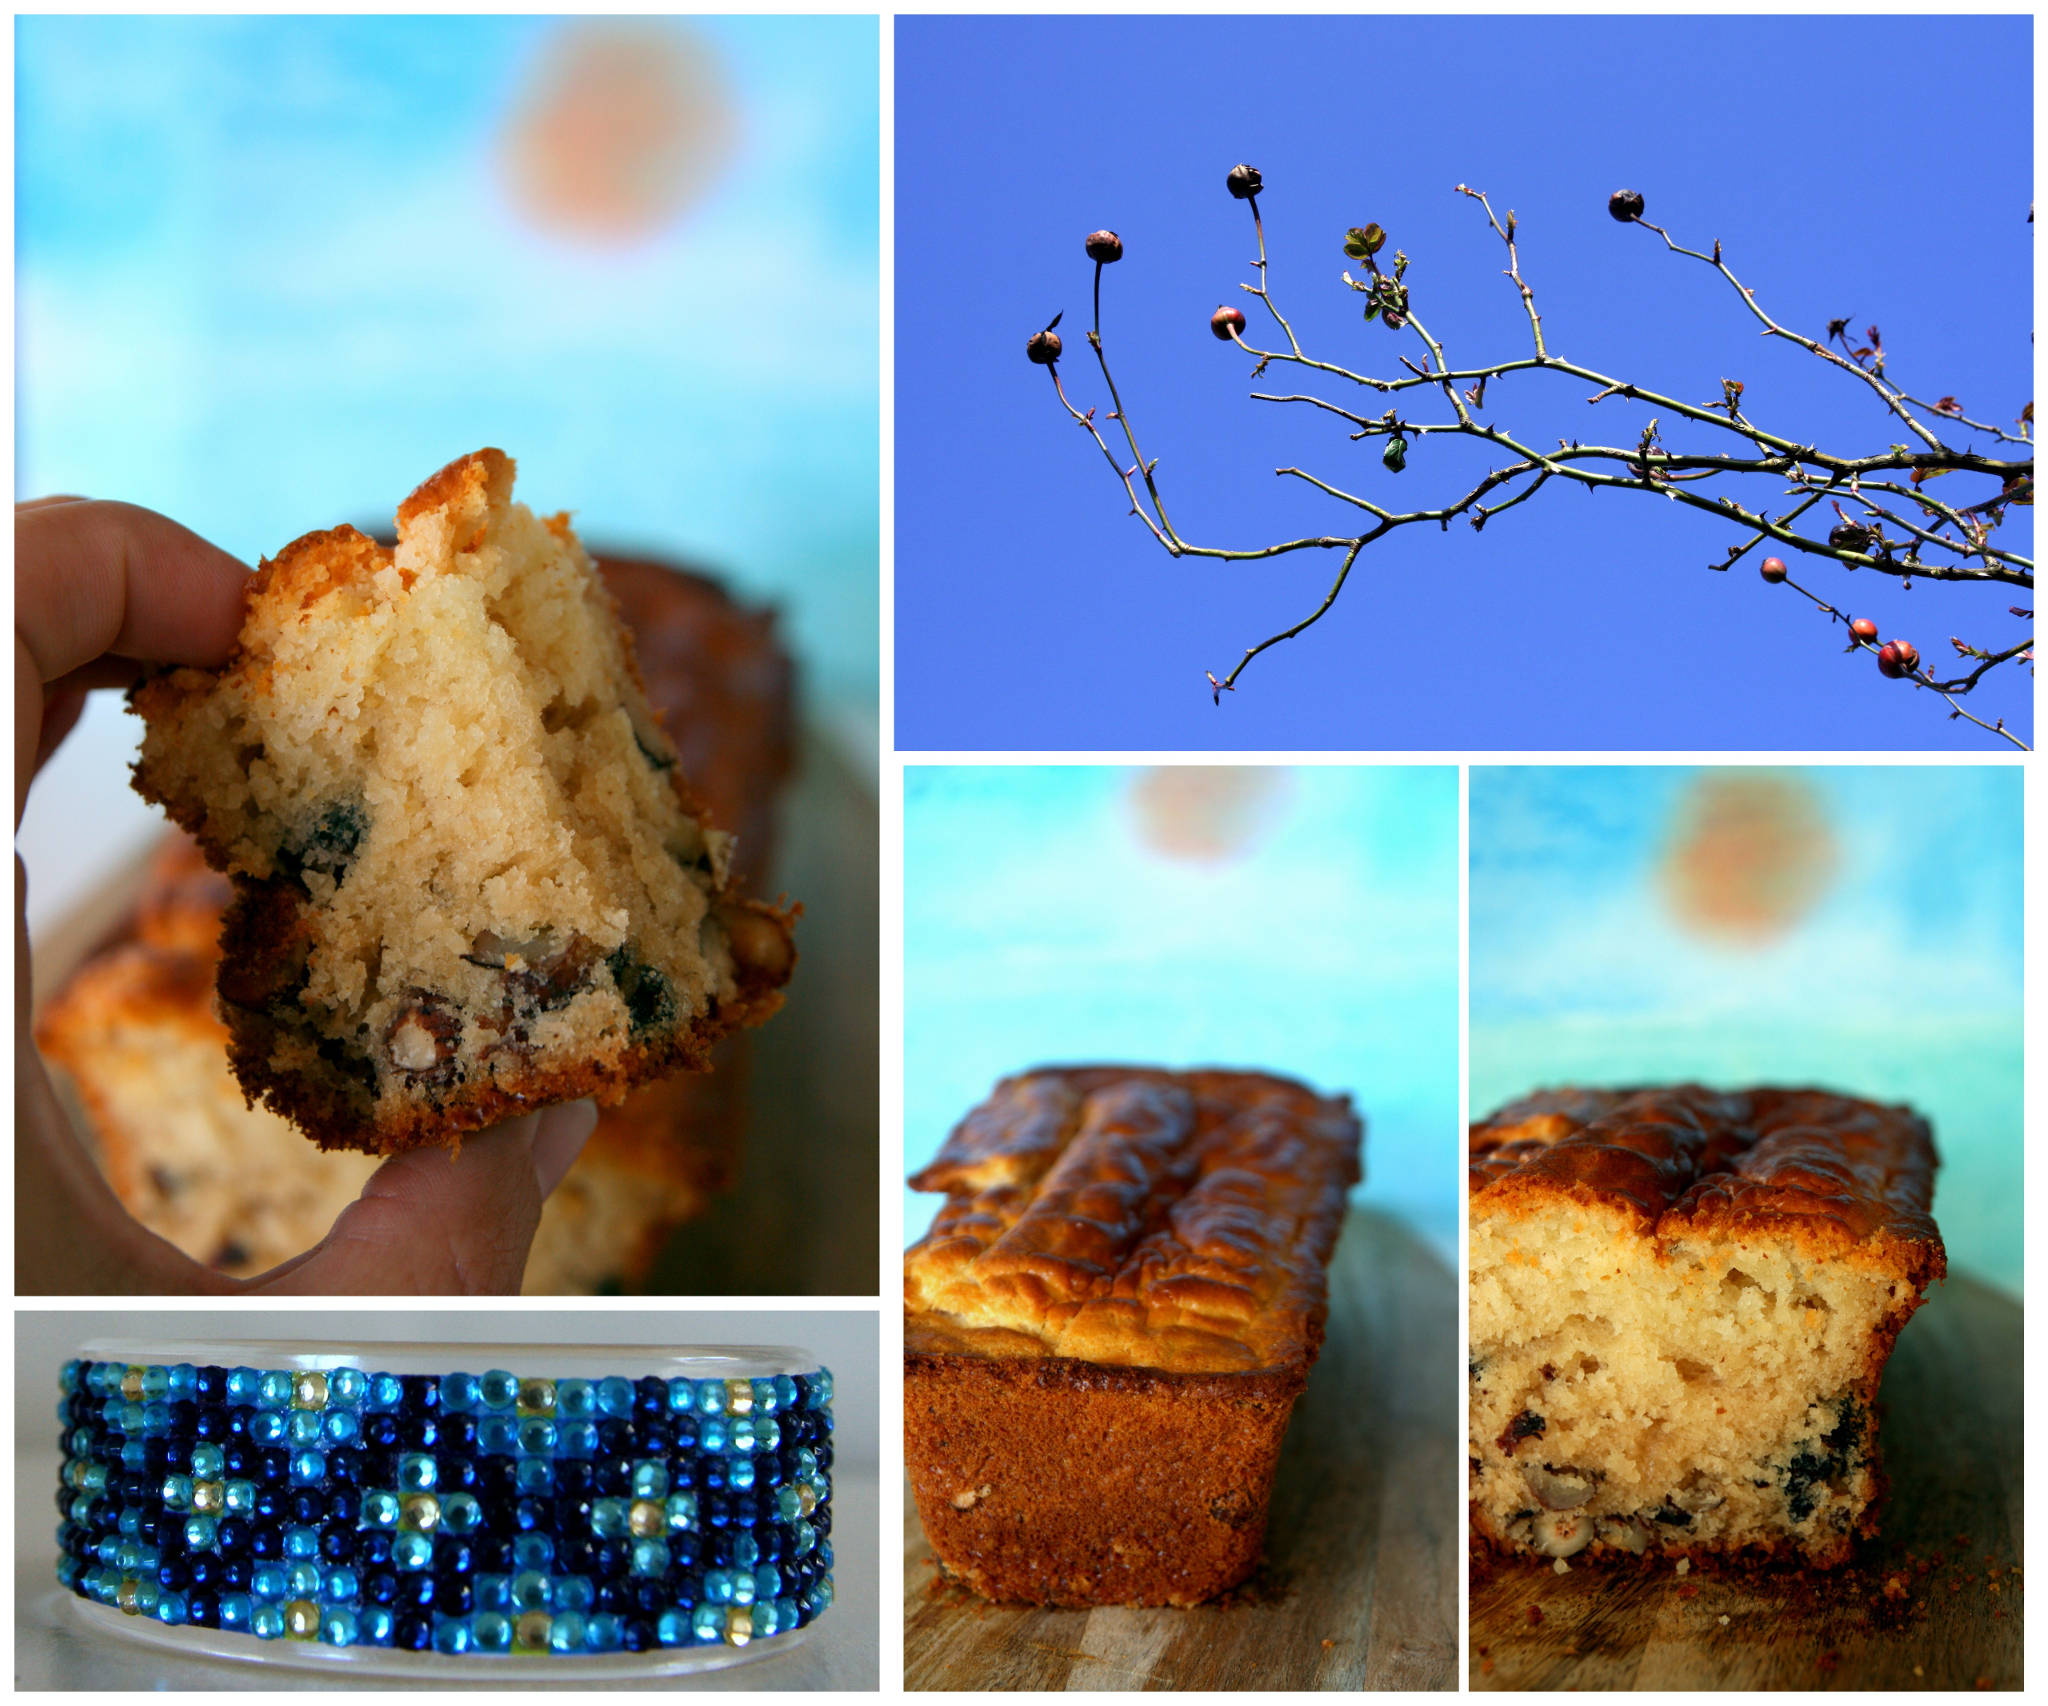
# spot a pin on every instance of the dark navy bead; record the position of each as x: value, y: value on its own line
x: 492, y: 1552
x: 421, y: 1395
x: 380, y: 1587
x: 337, y: 1544
x: 306, y: 1505
x: 232, y: 1536
x: 413, y: 1632
x: 453, y: 1557
x: 374, y: 1548
x: 266, y: 1540
x: 210, y: 1385
x: 458, y: 1433
x: 453, y: 1597
x: 381, y: 1431
x: 235, y: 1573
x: 650, y: 1397
x: 419, y: 1433
x: 174, y: 1573
x: 202, y: 1606
x: 638, y: 1635
x: 345, y: 1466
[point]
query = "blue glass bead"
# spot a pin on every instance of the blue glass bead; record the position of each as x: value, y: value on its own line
x: 170, y: 1607
x: 412, y: 1632
x: 608, y: 1518
x: 459, y: 1392
x: 309, y: 1468
x: 767, y: 1582
x: 346, y: 1386
x: 565, y: 1633
x: 672, y: 1628
x: 712, y: 1435
x: 573, y: 1593
x: 615, y: 1396
x: 602, y: 1633
x: 452, y: 1636
x: 266, y: 1427
x: 378, y: 1625
x: 302, y: 1580
x: 156, y: 1382
x: 301, y: 1543
x: 412, y: 1551
x: 200, y: 1533
x: 235, y: 1610
x: 239, y: 1497
x: 650, y: 1480
x: 530, y: 1591
x: 739, y: 1436
x: 416, y: 1473
x: 338, y: 1626
x: 274, y: 1390
x: 577, y: 1439
x: 269, y: 1581
x: 207, y: 1463
x: 786, y: 1616
x: 385, y: 1392
x: 767, y: 1619
x: 533, y: 1552
x: 460, y: 1513
x: 718, y: 1586
x: 340, y: 1587
x: 575, y: 1399
x: 498, y: 1390
x: 177, y: 1492
x: 340, y: 1427
x: 497, y: 1434
x: 303, y: 1428
x: 711, y: 1397
x: 707, y: 1623
x: 183, y: 1382
x: 493, y: 1592
x: 740, y: 1472
x: 785, y: 1392
x: 493, y: 1632
x: 743, y: 1549
x: 245, y: 1386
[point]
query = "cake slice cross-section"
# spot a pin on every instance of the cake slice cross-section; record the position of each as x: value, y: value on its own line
x: 470, y: 878
x: 1682, y: 1302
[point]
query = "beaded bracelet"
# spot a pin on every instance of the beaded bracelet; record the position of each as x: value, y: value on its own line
x: 313, y: 1496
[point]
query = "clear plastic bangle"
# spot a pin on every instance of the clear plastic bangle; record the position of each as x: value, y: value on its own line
x: 435, y: 1509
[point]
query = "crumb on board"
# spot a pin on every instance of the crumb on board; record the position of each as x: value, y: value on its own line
x: 1724, y: 1620
x: 1684, y: 1566
x: 1559, y: 1567
x: 1535, y: 1615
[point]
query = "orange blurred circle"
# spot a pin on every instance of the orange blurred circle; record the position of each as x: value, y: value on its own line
x: 1749, y: 857
x: 1205, y: 814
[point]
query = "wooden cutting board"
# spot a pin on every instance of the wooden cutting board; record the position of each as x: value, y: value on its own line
x: 1359, y: 1587
x: 1952, y: 1443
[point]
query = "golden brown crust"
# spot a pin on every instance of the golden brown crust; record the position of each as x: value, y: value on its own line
x: 1829, y: 1171
x: 1170, y: 1509
x: 1136, y: 1217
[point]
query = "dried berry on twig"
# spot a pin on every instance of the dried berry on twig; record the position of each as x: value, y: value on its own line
x: 1625, y: 205
x: 1104, y: 247
x: 1227, y: 322
x: 1244, y: 182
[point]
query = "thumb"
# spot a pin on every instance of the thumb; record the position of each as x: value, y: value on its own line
x: 430, y: 1224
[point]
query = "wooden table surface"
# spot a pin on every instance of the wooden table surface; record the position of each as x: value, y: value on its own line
x: 1952, y: 1442
x: 1359, y: 1586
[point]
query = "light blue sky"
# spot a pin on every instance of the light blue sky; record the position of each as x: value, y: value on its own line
x: 268, y: 279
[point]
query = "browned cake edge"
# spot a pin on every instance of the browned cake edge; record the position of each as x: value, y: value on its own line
x: 1171, y: 1509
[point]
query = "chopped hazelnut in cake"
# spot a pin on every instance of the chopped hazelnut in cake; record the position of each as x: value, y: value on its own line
x: 470, y: 877
x: 1681, y: 1307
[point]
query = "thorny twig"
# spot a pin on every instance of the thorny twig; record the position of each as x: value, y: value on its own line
x: 1879, y: 523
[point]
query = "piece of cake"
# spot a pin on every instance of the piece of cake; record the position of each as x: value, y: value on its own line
x: 1681, y: 1306
x: 470, y: 877
x: 1109, y: 1322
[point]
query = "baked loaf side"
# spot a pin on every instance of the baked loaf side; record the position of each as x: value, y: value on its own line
x: 1682, y: 1302
x: 470, y: 879
x: 1135, y: 1259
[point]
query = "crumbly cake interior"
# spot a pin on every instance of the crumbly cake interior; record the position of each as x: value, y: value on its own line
x: 468, y: 853
x: 1710, y: 1394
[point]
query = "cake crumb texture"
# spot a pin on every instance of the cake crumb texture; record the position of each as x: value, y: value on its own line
x: 470, y: 876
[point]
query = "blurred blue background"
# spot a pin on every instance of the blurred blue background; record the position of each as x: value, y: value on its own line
x: 1857, y: 928
x: 1303, y: 922
x: 273, y: 272
x: 1033, y: 612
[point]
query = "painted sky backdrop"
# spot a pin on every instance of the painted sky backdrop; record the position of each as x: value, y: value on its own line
x: 1302, y: 922
x: 273, y: 272
x: 1034, y: 612
x: 1857, y: 928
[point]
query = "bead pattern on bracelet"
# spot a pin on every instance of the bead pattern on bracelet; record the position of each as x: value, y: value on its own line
x: 466, y: 1514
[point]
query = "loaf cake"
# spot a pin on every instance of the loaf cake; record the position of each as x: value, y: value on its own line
x: 1109, y: 1322
x: 1681, y: 1306
x: 238, y: 1188
x: 470, y: 877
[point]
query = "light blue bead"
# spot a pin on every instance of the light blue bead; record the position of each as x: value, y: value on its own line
x: 650, y: 1557
x: 459, y: 1393
x: 451, y: 1635
x: 740, y: 1473
x: 565, y: 1634
x: 615, y: 1396
x: 682, y: 1511
x: 767, y: 1583
x: 240, y: 1496
x: 745, y: 1551
x: 417, y: 1473
x: 711, y: 1434
x: 493, y: 1632
x: 650, y: 1480
x: 672, y: 1628
x: 497, y: 1435
x: 178, y: 1492
x: 821, y: 1389
x: 381, y: 1510
x: 578, y: 1439
x: 170, y: 1607
x: 765, y: 1401
x: 147, y: 1593
x: 767, y: 1433
x: 235, y: 1609
x: 608, y: 1518
x: 378, y: 1624
x: 245, y: 1386
x: 806, y: 1538
x: 346, y: 1386
x: 785, y: 1392
x: 268, y: 1581
x: 602, y: 1633
x: 711, y: 1397
x: 304, y: 1428
x: 309, y: 1469
x: 412, y: 1551
x: 718, y: 1586
x: 385, y: 1392
x: 574, y: 1593
x: 340, y: 1427
x: 682, y: 1396
x: 739, y: 1435
x: 156, y: 1418
x: 301, y: 1542
x: 459, y: 1513
x: 822, y: 1591
x: 338, y: 1626
x: 537, y: 1435
x: 340, y: 1586
x: 208, y: 1463
x: 199, y: 1533
x: 267, y: 1427
x: 302, y: 1580
x: 707, y: 1623
x: 530, y: 1591
x: 499, y: 1390
x: 575, y: 1399
x: 184, y: 1380
x: 274, y: 1392
x: 533, y: 1552
x: 156, y: 1381
x: 491, y: 1593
